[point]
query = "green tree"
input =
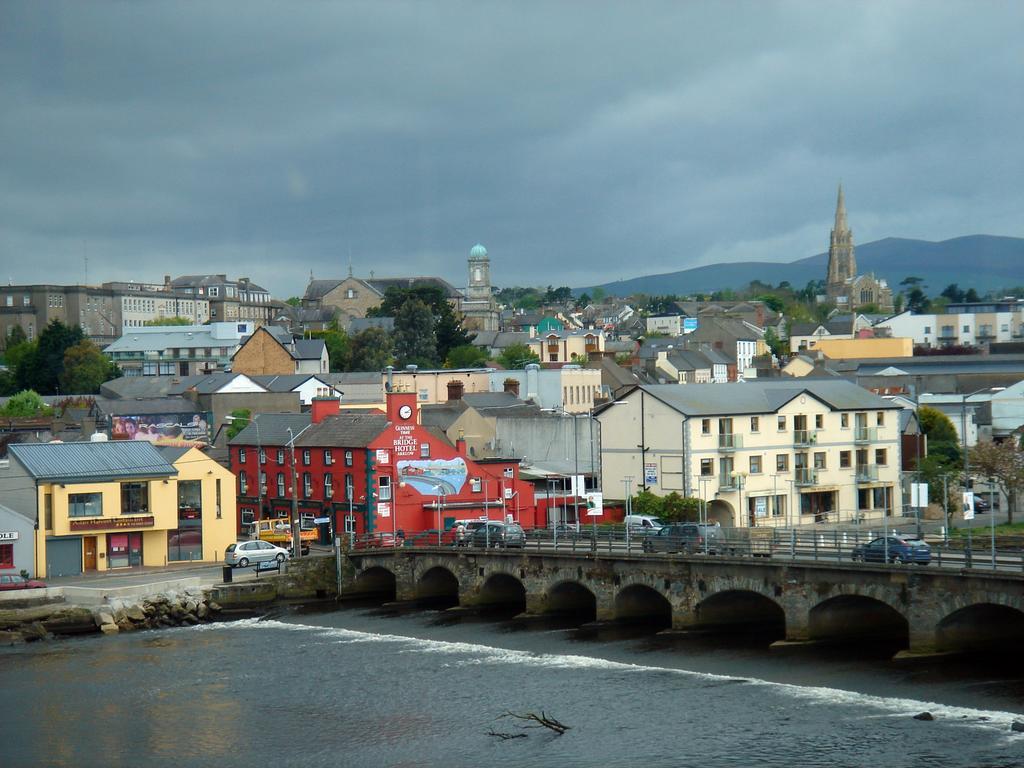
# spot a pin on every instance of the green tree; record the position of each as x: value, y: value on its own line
x: 24, y: 405
x: 953, y: 293
x: 293, y: 301
x: 168, y: 321
x: 16, y: 335
x: 415, y: 336
x: 1003, y: 463
x: 679, y: 509
x: 517, y: 356
x: 599, y: 294
x: 936, y: 425
x: 917, y: 300
x: 240, y: 420
x: 85, y: 369
x: 972, y: 295
x: 647, y: 503
x: 466, y: 356
x: 40, y: 370
x: 339, y: 347
x: 773, y: 302
x: 371, y: 350
x: 447, y: 328
x: 775, y: 344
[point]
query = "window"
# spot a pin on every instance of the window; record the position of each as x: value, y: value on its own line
x: 348, y: 458
x: 707, y: 467
x: 328, y: 460
x: 927, y: 329
x: 263, y: 456
x: 306, y: 457
x: 819, y: 421
x: 190, y: 504
x: 307, y: 484
x: 6, y: 555
x: 243, y: 484
x: 350, y: 293
x: 280, y: 456
x: 755, y: 465
x: 280, y: 484
x: 782, y: 423
x: 48, y: 507
x: 782, y: 462
x: 85, y: 504
x: 424, y: 450
x: 967, y: 329
x: 134, y: 498
x: 705, y: 426
x: 881, y: 456
x: 350, y: 488
x: 384, y: 484
x: 263, y: 482
x: 475, y: 485
x: 880, y: 418
x: 844, y: 459
x: 844, y: 420
x: 755, y: 424
x: 328, y: 486
x: 213, y: 291
x: 241, y: 455
x: 819, y: 460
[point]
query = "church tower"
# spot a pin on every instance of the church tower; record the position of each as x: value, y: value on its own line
x: 479, y: 309
x: 842, y: 264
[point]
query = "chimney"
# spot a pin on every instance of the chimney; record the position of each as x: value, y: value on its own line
x: 455, y: 389
x: 324, y: 405
x: 390, y: 380
x: 532, y: 381
x: 512, y: 386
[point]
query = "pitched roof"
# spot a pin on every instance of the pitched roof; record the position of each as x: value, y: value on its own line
x: 271, y: 429
x: 381, y: 284
x: 71, y: 462
x: 317, y: 289
x: 761, y: 396
x: 309, y: 349
x: 148, y: 405
x: 345, y: 430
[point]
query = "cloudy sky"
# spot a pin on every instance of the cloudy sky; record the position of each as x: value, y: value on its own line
x: 580, y: 142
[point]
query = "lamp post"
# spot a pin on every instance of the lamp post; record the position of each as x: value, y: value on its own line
x: 967, y: 471
x: 296, y: 535
x: 627, y: 483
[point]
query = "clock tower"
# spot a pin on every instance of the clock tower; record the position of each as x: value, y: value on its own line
x: 479, y: 308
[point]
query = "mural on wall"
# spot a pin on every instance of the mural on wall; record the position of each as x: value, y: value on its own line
x: 181, y: 429
x: 434, y: 477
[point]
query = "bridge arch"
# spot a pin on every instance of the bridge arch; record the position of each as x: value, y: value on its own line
x: 375, y: 582
x: 502, y: 591
x: 721, y: 511
x: 438, y: 586
x: 742, y: 609
x: 570, y: 598
x: 854, y: 617
x: 641, y: 604
x: 981, y: 627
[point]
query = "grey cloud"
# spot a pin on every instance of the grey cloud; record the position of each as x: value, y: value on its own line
x: 580, y: 142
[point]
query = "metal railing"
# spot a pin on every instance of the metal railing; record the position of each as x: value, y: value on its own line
x: 866, y: 473
x: 840, y: 546
x: 865, y: 435
x: 804, y: 476
x: 729, y: 441
x: 804, y: 437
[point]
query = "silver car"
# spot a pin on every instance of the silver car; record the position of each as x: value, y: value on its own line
x: 246, y: 552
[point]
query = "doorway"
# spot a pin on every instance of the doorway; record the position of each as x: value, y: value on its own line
x: 89, y: 553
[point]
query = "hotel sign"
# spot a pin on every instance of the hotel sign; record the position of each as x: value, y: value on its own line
x: 8, y: 535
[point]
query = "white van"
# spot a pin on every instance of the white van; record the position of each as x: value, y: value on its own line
x: 643, y: 523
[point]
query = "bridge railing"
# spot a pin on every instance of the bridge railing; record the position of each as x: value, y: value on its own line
x: 778, y: 543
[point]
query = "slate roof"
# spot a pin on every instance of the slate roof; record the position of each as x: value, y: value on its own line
x: 345, y: 430
x: 286, y: 382
x: 761, y: 396
x: 308, y: 349
x: 149, y: 405
x: 381, y: 284
x: 173, y: 452
x: 74, y: 462
x: 317, y: 289
x: 157, y: 338
x: 272, y: 429
x: 131, y: 387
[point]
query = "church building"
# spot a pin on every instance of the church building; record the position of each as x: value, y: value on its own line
x: 843, y: 285
x: 479, y: 309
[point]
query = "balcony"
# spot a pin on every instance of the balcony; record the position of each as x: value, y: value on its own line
x: 729, y: 442
x: 806, y: 476
x: 802, y: 438
x: 865, y: 435
x: 729, y: 482
x: 867, y: 473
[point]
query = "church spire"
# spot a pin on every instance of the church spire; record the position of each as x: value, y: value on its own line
x: 840, y: 211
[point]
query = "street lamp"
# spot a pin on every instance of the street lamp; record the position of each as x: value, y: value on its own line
x: 963, y: 439
x: 296, y: 535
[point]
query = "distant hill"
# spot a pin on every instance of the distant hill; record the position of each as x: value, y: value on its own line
x: 982, y: 262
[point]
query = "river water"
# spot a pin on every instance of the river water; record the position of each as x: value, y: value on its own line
x: 356, y: 687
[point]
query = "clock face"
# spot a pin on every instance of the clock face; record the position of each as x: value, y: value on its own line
x: 405, y: 411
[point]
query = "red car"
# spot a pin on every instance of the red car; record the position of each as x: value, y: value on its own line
x: 14, y: 581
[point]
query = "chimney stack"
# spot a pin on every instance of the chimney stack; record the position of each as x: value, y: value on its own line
x: 324, y: 405
x: 455, y: 390
x: 512, y: 386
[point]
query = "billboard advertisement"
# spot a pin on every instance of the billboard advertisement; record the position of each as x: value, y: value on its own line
x: 181, y: 429
x: 433, y: 477
x: 690, y: 324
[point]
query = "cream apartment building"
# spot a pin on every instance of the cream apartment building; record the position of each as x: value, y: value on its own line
x: 761, y: 453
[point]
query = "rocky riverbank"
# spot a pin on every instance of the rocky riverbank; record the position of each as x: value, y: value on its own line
x: 44, y: 622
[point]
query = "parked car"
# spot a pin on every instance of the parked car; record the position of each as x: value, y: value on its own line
x: 495, y: 534
x: 16, y: 581
x: 898, y: 549
x: 245, y: 553
x: 643, y: 524
x: 686, y: 537
x: 385, y: 539
x: 464, y: 530
x: 429, y: 538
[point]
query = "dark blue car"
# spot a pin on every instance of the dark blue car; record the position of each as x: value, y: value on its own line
x: 898, y: 549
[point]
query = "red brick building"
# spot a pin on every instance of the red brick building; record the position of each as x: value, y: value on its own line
x: 384, y: 472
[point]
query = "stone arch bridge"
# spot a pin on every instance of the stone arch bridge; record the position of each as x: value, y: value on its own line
x: 926, y: 609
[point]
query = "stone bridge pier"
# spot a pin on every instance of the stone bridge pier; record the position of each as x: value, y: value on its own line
x: 923, y: 610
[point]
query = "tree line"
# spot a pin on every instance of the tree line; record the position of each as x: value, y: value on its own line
x: 61, y: 360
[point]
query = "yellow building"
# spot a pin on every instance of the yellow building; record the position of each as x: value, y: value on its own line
x: 105, y: 505
x: 567, y: 346
x: 857, y: 349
